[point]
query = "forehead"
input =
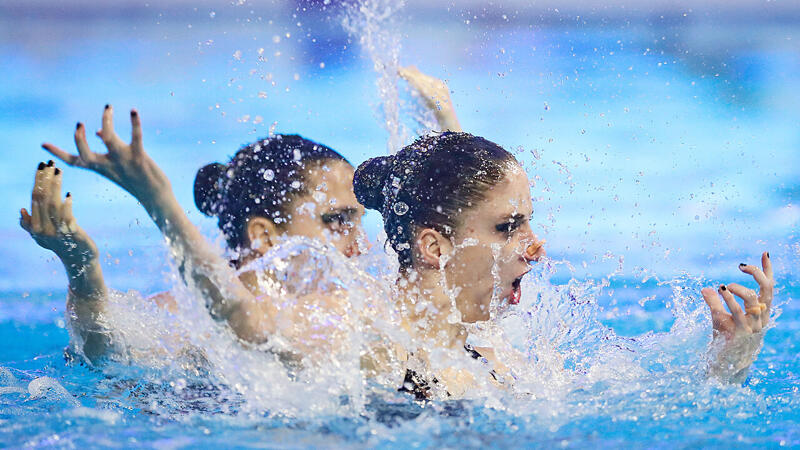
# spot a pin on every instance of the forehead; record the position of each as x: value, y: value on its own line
x: 510, y: 196
x: 330, y: 176
x: 334, y: 178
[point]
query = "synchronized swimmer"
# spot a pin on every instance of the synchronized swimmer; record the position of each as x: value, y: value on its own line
x: 456, y: 210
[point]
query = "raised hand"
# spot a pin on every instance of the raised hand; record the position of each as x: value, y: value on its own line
x: 755, y: 315
x: 126, y: 164
x: 435, y: 94
x: 129, y: 166
x: 51, y: 224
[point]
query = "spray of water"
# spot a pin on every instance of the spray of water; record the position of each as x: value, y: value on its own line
x: 372, y: 23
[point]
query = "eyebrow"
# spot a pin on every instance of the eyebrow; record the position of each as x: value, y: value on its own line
x: 346, y: 210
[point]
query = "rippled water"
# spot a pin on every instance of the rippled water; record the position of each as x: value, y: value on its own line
x: 664, y: 150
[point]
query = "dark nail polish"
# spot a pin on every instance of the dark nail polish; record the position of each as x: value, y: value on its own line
x: 107, y: 106
x: 723, y: 288
x: 41, y: 166
x: 78, y: 126
x: 50, y: 163
x: 58, y: 171
x: 767, y: 254
x: 133, y: 112
x: 69, y: 195
x: 742, y: 264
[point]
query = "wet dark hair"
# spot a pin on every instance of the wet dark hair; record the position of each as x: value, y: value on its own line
x: 429, y: 184
x: 261, y: 179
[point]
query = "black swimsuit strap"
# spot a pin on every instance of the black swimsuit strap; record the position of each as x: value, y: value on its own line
x: 419, y: 387
x: 475, y: 355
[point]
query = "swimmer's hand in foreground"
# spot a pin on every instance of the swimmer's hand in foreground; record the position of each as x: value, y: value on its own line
x: 129, y: 166
x: 741, y: 330
x: 51, y: 224
x: 436, y: 96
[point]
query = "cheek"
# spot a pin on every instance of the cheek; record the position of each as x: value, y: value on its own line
x: 472, y: 266
x: 306, y: 227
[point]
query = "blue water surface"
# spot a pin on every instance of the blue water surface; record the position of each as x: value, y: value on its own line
x: 662, y: 143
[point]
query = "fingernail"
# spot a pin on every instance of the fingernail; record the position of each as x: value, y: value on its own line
x: 69, y: 194
x: 767, y: 254
x: 107, y: 106
x: 58, y: 171
x: 78, y: 126
x: 41, y: 166
x: 742, y: 265
x: 50, y: 163
x: 133, y: 112
x: 723, y: 288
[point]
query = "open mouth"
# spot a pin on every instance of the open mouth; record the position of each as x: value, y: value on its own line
x: 516, y: 291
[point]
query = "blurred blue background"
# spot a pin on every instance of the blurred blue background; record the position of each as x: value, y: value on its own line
x: 663, y: 136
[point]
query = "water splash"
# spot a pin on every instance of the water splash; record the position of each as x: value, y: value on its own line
x: 373, y: 24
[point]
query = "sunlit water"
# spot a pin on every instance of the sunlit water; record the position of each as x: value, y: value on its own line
x: 664, y: 153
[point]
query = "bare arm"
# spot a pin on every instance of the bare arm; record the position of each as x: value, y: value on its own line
x: 740, y: 333
x: 435, y: 94
x: 130, y: 167
x: 52, y: 225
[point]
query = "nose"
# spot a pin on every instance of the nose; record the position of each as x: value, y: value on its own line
x: 534, y: 250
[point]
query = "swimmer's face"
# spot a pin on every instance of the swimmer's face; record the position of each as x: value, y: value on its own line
x: 328, y: 211
x: 489, y: 256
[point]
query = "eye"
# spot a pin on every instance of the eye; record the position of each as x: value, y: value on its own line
x: 333, y: 218
x: 337, y: 220
x: 511, y: 224
x: 508, y: 227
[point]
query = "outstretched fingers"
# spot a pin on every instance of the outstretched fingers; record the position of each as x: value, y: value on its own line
x: 136, y: 132
x: 66, y: 213
x: 107, y: 133
x: 86, y: 155
x: 54, y: 197
x: 40, y: 201
x: 766, y: 263
x: 715, y: 305
x: 733, y: 306
x: 408, y: 73
x: 751, y: 305
x: 25, y: 220
x: 765, y: 282
x: 68, y: 158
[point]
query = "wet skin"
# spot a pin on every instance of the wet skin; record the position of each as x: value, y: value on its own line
x: 329, y: 210
x: 492, y: 267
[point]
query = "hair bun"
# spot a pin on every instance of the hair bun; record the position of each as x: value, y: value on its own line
x: 208, y: 188
x: 369, y: 180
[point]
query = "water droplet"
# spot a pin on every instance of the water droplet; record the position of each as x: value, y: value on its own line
x: 269, y: 175
x: 400, y: 208
x: 212, y: 14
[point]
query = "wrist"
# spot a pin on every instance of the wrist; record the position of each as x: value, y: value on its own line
x: 86, y: 279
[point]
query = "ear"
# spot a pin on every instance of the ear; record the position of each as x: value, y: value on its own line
x: 431, y: 246
x: 260, y: 233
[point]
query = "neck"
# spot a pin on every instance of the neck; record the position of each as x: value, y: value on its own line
x: 428, y: 307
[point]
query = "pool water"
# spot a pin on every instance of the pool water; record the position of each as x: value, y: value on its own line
x: 663, y: 145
